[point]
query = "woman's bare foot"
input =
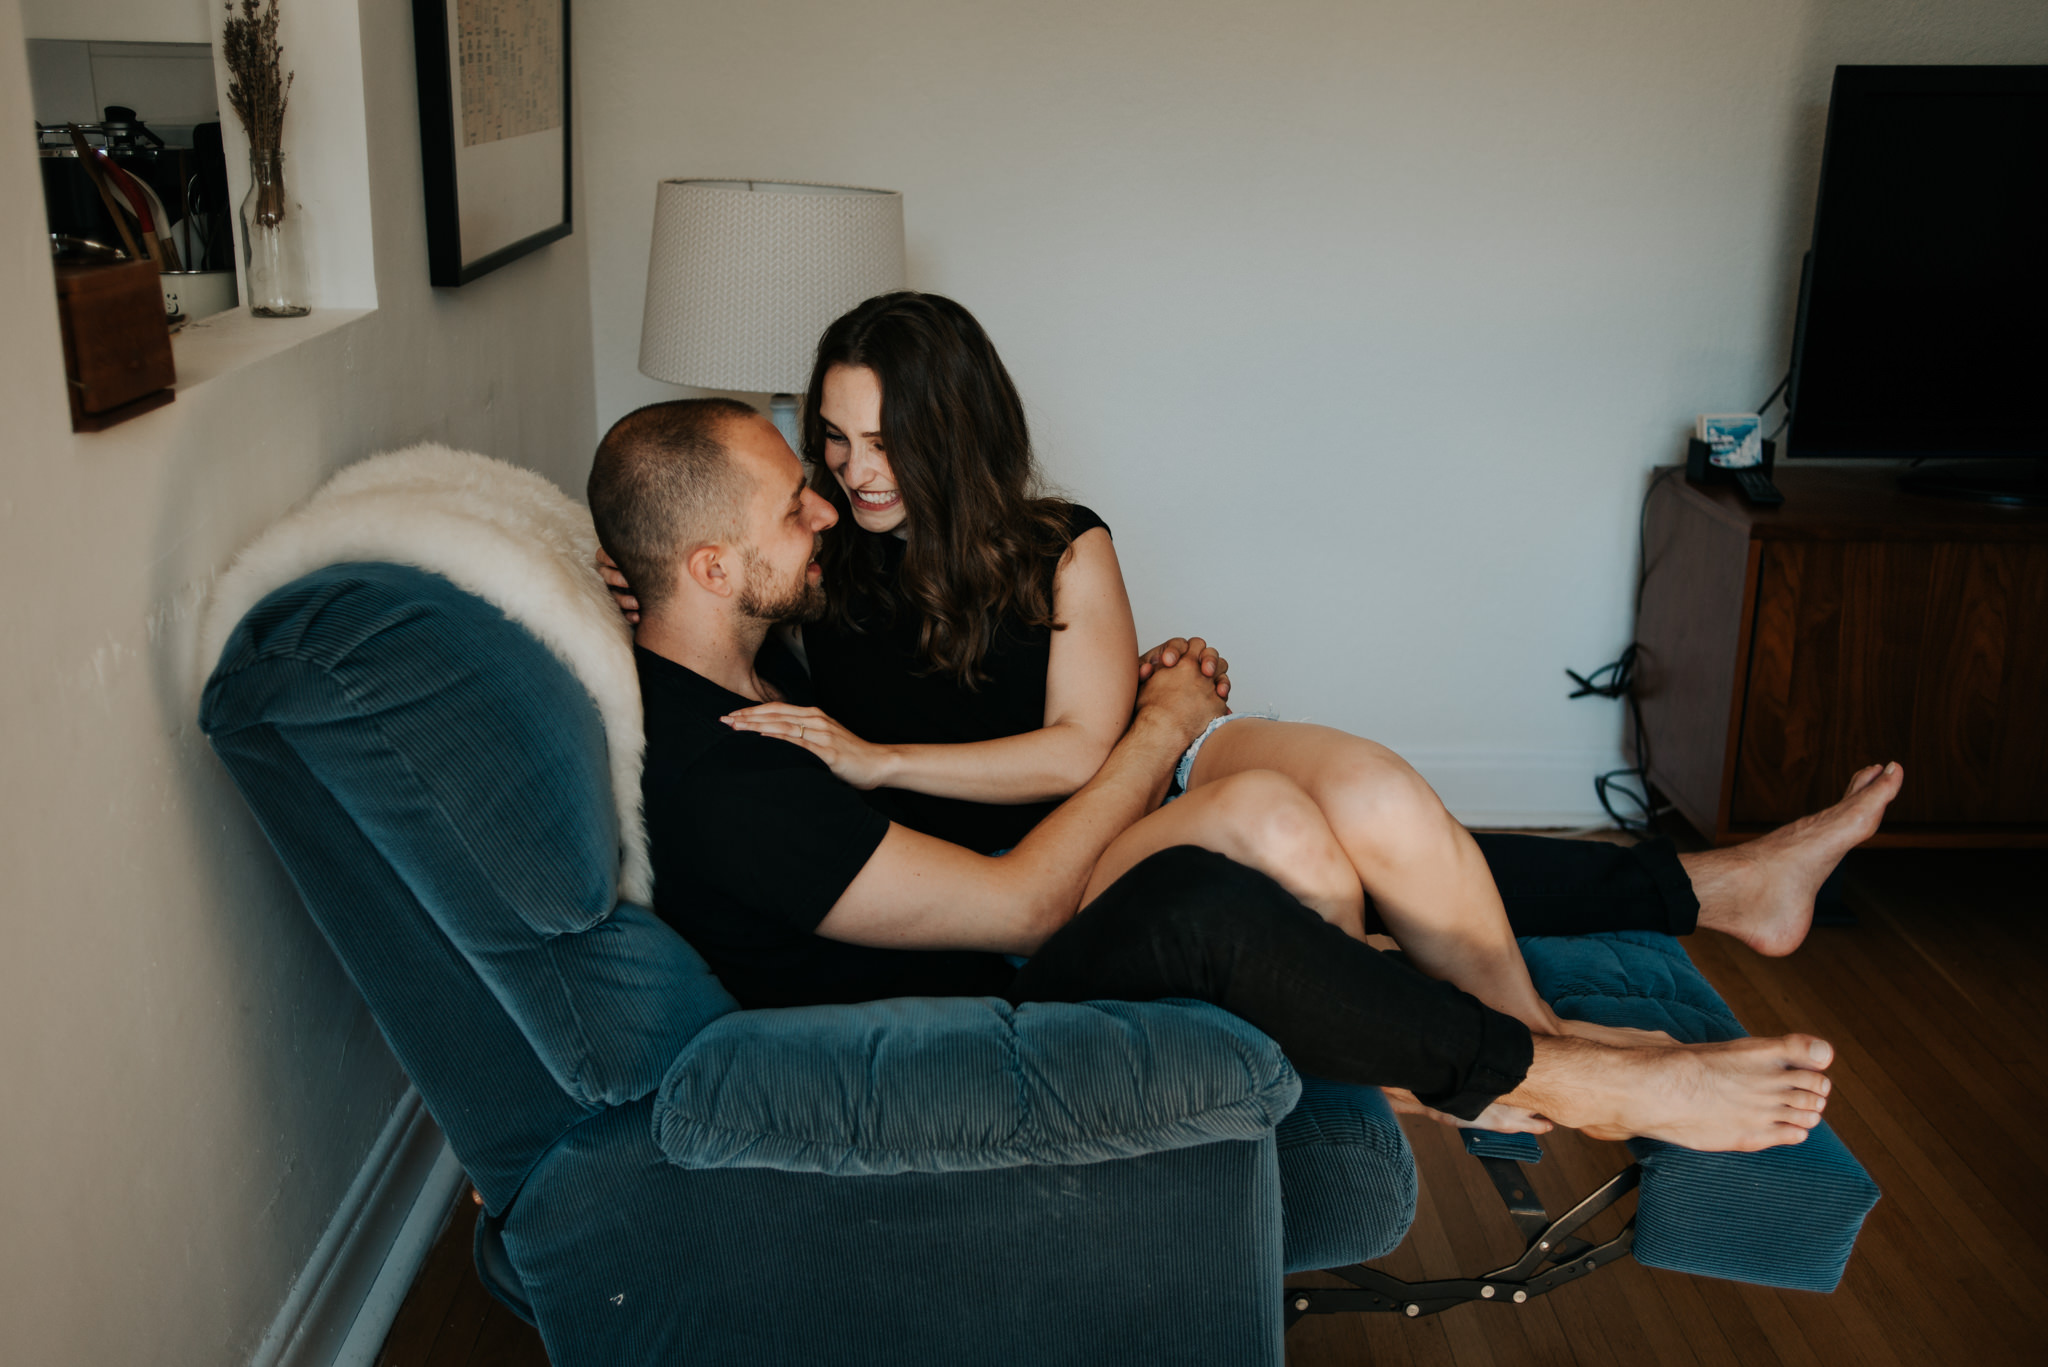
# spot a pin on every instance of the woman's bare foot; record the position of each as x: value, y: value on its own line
x: 1499, y: 1117
x: 1762, y: 892
x: 1739, y: 1096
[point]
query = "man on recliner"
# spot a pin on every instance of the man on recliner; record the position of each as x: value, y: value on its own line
x: 798, y: 889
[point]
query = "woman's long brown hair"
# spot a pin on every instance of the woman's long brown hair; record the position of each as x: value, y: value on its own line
x: 980, y: 535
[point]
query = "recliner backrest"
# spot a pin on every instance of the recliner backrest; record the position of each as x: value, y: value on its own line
x: 437, y: 785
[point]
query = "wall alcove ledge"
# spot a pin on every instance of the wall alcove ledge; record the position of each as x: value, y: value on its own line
x: 228, y: 342
x: 326, y: 157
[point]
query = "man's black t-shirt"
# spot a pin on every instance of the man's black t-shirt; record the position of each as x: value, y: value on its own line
x: 753, y: 840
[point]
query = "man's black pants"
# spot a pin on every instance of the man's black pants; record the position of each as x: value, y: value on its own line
x: 1188, y: 922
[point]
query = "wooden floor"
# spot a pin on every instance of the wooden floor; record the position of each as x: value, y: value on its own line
x: 1938, y: 1007
x: 449, y: 1320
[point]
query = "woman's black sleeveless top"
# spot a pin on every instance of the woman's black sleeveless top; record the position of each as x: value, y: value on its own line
x: 874, y: 682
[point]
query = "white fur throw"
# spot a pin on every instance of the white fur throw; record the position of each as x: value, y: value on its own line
x: 506, y: 535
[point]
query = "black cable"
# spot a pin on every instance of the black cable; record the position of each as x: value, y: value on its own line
x: 1662, y: 478
x: 1784, y: 387
x: 1760, y: 408
x: 1621, y: 672
x: 1617, y: 679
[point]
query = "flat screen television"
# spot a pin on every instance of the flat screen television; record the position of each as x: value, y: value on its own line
x: 1923, y: 308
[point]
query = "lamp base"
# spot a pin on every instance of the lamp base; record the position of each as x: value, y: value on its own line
x: 782, y: 411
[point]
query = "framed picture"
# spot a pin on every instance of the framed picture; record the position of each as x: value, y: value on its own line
x: 494, y: 130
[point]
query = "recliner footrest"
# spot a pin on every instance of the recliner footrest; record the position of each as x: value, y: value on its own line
x: 1784, y: 1217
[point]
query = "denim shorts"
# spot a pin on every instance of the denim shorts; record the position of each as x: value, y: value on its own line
x: 1187, y: 759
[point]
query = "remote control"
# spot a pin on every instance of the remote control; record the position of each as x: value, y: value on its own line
x: 1757, y: 488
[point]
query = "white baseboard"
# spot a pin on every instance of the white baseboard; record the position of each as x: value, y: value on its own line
x: 1530, y: 789
x: 346, y: 1297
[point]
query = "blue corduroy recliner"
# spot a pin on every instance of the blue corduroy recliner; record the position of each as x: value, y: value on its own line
x: 667, y: 1178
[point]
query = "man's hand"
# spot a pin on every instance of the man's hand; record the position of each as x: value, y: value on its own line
x: 1198, y: 651
x: 1181, y: 697
x: 622, y: 592
x: 851, y: 759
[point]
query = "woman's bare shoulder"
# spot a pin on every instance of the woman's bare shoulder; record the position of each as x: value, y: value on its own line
x: 1089, y: 555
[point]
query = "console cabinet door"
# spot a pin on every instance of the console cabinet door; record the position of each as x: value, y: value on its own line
x: 1922, y: 651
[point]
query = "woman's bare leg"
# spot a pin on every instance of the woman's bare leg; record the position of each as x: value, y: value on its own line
x: 1261, y: 820
x: 1425, y: 874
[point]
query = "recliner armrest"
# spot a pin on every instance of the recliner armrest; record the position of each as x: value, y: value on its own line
x: 935, y: 1084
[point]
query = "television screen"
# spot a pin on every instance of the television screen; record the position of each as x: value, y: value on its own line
x: 1923, y: 321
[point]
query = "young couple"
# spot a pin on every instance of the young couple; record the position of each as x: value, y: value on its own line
x: 839, y: 837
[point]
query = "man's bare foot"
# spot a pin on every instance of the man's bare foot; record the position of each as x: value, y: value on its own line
x: 1499, y: 1117
x: 1762, y: 892
x: 1739, y: 1096
x: 1543, y: 1020
x: 1620, y: 1036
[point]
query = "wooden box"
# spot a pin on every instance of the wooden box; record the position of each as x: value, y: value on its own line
x: 1782, y: 649
x: 117, y: 344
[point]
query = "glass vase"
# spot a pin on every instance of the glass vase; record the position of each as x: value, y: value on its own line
x: 273, y: 241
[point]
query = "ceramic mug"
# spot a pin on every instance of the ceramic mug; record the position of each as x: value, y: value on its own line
x: 193, y: 295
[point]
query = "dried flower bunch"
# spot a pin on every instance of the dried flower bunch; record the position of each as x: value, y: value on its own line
x: 259, y: 85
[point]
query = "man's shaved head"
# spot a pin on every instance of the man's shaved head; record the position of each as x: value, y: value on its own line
x: 664, y: 484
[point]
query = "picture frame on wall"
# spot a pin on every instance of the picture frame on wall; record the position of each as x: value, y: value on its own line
x: 494, y: 131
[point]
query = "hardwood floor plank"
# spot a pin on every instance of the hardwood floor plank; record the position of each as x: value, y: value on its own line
x: 411, y: 1338
x: 1913, y: 1103
x: 455, y: 1342
x: 1714, y: 1323
x: 1897, y: 1075
x: 507, y: 1341
x: 1777, y: 1323
x: 1616, y: 1302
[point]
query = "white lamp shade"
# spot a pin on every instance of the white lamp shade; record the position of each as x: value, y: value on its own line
x: 744, y: 277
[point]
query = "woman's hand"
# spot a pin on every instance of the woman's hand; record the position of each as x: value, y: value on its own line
x: 851, y: 759
x: 1166, y: 656
x: 622, y: 592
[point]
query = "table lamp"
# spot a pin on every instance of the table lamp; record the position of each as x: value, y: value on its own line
x: 745, y: 275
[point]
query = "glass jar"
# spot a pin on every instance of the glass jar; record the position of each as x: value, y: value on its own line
x: 273, y: 245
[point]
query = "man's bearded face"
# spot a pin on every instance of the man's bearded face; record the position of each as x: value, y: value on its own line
x: 786, y: 598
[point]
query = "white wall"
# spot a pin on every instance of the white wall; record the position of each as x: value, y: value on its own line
x: 188, y: 1082
x: 1360, y: 320
x: 128, y: 21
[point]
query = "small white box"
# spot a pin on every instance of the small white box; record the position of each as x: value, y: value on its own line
x: 1736, y: 439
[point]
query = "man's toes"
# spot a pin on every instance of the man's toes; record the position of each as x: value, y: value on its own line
x: 1801, y: 1109
x: 1806, y: 1102
x: 1806, y: 1083
x: 1808, y: 1049
x: 1861, y: 779
x: 1768, y: 1137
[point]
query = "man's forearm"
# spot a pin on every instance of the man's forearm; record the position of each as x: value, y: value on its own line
x: 917, y: 892
x: 1052, y: 863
